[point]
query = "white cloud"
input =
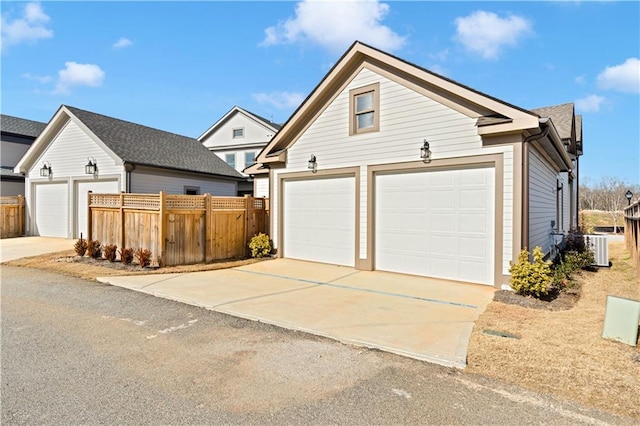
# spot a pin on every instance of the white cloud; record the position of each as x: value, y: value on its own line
x: 438, y: 69
x: 122, y: 42
x: 280, y: 100
x: 440, y: 56
x: 580, y: 79
x: 591, y: 103
x: 623, y: 78
x: 30, y: 27
x: 75, y: 74
x: 486, y: 33
x: 42, y: 79
x: 335, y: 25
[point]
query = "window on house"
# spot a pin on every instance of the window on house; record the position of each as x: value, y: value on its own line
x: 230, y: 159
x: 238, y: 133
x: 364, y: 109
x: 249, y: 159
x: 191, y: 190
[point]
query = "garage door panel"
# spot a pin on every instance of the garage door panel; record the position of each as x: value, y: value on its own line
x: 51, y: 209
x: 450, y: 211
x: 319, y: 220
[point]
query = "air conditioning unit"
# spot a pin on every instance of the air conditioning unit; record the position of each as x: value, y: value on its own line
x: 600, y: 248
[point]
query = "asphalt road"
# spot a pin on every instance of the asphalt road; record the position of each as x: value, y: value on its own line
x: 80, y: 352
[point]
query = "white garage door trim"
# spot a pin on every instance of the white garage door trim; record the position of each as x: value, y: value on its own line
x: 438, y: 223
x: 51, y: 209
x: 319, y: 219
x: 101, y: 186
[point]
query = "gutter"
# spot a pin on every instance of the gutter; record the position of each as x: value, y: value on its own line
x: 544, y: 122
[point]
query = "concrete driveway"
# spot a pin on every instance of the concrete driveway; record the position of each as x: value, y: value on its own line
x: 16, y: 248
x: 422, y: 318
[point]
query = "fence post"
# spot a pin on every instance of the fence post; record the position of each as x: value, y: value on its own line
x: 89, y: 217
x: 208, y: 229
x: 161, y: 229
x: 21, y: 215
x: 247, y: 199
x: 122, y: 231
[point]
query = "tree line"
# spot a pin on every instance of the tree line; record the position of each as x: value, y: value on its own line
x: 609, y: 194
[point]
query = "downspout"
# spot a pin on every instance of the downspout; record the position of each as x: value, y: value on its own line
x: 525, y: 179
x: 128, y: 167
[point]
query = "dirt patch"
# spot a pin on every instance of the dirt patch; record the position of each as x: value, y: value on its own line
x: 559, y: 302
x: 68, y: 263
x: 560, y: 351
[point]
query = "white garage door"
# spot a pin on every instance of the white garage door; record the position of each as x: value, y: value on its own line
x: 437, y: 224
x: 51, y: 210
x: 319, y: 220
x: 82, y: 188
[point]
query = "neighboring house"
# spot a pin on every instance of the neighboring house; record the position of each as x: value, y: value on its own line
x: 237, y: 138
x: 127, y: 157
x: 16, y: 136
x: 388, y: 166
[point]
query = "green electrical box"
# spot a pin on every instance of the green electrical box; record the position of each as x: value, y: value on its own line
x: 621, y: 320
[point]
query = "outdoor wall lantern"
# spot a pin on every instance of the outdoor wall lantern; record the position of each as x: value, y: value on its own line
x: 45, y: 171
x: 629, y: 196
x: 92, y: 166
x: 313, y: 164
x: 425, y: 152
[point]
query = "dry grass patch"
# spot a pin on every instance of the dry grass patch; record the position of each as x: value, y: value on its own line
x: 561, y: 352
x: 68, y: 263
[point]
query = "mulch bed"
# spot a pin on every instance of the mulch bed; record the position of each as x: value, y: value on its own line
x: 555, y: 302
x: 117, y: 265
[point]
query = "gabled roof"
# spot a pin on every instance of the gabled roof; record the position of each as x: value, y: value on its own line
x: 562, y: 117
x: 269, y: 125
x: 20, y: 126
x: 137, y: 144
x: 494, y: 115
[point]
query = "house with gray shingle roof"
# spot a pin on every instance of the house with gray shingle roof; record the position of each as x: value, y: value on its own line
x: 16, y: 136
x: 127, y: 157
x: 237, y: 138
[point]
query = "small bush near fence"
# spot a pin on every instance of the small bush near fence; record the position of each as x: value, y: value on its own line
x: 143, y: 257
x: 80, y: 247
x: 260, y: 245
x: 126, y: 255
x: 94, y: 249
x: 110, y: 251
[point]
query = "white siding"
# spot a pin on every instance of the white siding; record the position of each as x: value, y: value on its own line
x: 67, y: 153
x: 11, y: 153
x: 261, y: 187
x: 542, y: 201
x: 152, y: 182
x: 254, y: 132
x: 406, y: 119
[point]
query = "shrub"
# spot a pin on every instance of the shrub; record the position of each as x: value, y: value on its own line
x: 94, y: 249
x: 531, y: 278
x: 143, y: 256
x: 126, y: 255
x: 80, y: 246
x: 579, y: 260
x: 574, y: 241
x: 110, y: 252
x: 260, y: 245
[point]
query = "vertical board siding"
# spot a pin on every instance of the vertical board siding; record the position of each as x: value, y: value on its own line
x: 12, y: 216
x: 190, y: 229
x: 406, y: 119
x: 148, y: 182
x: 542, y: 201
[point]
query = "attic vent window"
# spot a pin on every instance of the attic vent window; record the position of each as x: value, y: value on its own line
x: 364, y: 109
x: 238, y: 133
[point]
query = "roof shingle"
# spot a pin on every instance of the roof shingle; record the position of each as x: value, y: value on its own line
x: 21, y: 126
x: 562, y: 117
x: 143, y: 145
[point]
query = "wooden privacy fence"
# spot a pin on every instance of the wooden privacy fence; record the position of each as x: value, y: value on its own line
x: 632, y: 231
x: 178, y: 229
x: 12, y: 221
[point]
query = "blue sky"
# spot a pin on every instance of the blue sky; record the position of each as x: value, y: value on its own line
x: 180, y: 66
